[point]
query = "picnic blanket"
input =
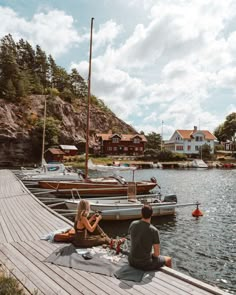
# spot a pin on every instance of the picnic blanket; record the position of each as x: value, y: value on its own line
x: 96, y: 260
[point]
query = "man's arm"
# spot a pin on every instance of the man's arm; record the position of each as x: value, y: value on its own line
x: 156, y: 248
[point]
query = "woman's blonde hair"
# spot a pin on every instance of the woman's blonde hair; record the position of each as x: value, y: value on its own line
x: 82, y: 209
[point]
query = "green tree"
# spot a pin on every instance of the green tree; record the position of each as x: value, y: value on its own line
x: 219, y: 133
x: 67, y: 95
x: 9, y: 90
x: 41, y: 66
x: 79, y: 86
x: 52, y: 132
x: 205, y: 151
x: 227, y: 130
x: 9, y: 68
x: 153, y: 141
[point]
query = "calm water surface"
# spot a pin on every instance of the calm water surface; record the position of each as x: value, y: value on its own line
x: 204, y: 248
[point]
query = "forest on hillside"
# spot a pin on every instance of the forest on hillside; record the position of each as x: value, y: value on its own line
x: 25, y: 71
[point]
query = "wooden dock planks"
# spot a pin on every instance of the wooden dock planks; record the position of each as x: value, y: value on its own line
x: 24, y: 220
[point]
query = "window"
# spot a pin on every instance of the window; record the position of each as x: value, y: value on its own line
x: 115, y: 148
x: 189, y: 147
x: 115, y: 140
x: 196, y: 148
x: 199, y: 138
x: 178, y: 138
x: 136, y: 149
x: 109, y: 148
x: 136, y: 140
x: 179, y: 148
x: 141, y: 148
x: 126, y: 148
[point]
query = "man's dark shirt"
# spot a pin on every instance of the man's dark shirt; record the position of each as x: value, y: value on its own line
x: 143, y: 236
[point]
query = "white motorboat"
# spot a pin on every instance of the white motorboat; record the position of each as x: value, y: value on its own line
x: 52, y: 171
x: 125, y: 208
x: 199, y: 163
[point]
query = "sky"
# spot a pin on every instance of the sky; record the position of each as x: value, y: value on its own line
x: 159, y: 65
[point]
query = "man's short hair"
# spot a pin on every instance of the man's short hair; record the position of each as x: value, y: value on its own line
x: 147, y: 211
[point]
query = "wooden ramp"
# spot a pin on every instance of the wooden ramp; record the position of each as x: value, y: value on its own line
x: 24, y: 220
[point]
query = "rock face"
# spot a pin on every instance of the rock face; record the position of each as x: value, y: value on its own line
x: 16, y: 125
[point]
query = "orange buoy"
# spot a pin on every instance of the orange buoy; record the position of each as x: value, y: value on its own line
x: 197, y: 212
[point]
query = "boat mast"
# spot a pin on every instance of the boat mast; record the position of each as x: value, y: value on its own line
x: 44, y: 128
x: 88, y: 106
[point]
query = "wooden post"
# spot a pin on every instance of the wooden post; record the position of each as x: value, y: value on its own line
x: 44, y: 129
x: 88, y: 107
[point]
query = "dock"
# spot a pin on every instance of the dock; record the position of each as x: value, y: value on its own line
x: 24, y: 220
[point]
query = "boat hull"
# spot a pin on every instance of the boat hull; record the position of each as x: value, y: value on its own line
x: 125, y: 211
x: 97, y: 189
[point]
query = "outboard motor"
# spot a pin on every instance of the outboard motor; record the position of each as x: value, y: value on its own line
x: 170, y: 198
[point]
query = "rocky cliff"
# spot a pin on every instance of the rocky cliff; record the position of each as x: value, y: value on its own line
x: 17, y: 125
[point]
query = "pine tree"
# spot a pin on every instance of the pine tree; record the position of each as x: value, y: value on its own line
x: 9, y: 68
x: 42, y: 66
x: 79, y: 87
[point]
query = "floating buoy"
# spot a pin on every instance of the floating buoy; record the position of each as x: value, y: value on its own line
x: 197, y: 212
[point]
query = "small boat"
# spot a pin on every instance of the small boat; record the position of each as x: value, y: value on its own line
x: 52, y: 171
x: 198, y: 163
x: 125, y: 208
x: 107, y: 186
x: 111, y: 168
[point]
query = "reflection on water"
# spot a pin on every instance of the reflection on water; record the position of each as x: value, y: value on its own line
x: 204, y: 248
x: 120, y: 228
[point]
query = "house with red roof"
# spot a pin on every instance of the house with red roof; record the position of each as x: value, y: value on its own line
x: 54, y: 155
x: 189, y: 141
x: 120, y: 144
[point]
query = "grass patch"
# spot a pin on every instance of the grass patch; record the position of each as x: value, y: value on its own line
x: 79, y: 161
x: 9, y: 285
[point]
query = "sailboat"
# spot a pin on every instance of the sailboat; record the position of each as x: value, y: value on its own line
x: 102, y: 186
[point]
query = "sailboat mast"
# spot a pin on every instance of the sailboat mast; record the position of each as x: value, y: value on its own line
x: 88, y: 107
x: 44, y: 128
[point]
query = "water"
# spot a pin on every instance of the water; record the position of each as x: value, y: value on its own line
x: 204, y: 248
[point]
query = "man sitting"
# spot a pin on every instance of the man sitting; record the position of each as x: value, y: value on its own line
x: 144, y: 236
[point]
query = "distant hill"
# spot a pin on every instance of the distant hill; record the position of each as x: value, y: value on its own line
x: 28, y: 77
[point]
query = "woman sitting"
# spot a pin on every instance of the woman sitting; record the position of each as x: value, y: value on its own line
x: 87, y: 231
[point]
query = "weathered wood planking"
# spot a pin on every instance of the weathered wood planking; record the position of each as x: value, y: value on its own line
x: 24, y: 220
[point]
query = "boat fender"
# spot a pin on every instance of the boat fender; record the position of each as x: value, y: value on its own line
x: 197, y: 213
x: 153, y: 179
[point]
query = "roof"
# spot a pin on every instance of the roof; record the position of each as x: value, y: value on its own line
x: 68, y: 147
x: 186, y: 134
x: 55, y: 151
x: 124, y: 137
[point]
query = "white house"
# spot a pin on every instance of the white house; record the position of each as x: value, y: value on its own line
x: 189, y: 141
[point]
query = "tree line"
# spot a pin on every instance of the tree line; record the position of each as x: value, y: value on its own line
x: 25, y: 71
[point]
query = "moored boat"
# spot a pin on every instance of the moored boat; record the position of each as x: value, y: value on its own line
x: 128, y: 209
x: 52, y: 171
x: 107, y: 186
x: 198, y: 163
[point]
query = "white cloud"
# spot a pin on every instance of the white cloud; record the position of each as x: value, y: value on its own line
x: 107, y: 32
x: 54, y: 31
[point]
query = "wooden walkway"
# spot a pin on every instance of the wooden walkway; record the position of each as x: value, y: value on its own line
x: 24, y: 220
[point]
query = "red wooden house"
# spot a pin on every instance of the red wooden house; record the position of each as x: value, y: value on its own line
x: 54, y: 155
x: 120, y: 144
x: 69, y: 150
